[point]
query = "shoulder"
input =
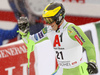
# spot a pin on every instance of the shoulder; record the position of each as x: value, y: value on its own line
x: 68, y: 25
x: 71, y: 30
x: 71, y: 26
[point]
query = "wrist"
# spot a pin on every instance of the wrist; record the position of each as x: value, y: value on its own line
x: 93, y: 61
x: 22, y: 33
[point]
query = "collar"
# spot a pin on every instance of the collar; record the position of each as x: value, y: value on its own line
x: 62, y: 27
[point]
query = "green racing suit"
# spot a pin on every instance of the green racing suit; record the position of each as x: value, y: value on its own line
x: 67, y: 43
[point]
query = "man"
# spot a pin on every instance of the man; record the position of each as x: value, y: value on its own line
x: 67, y: 40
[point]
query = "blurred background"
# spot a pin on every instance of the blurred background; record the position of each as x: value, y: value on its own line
x: 78, y: 12
x: 83, y: 13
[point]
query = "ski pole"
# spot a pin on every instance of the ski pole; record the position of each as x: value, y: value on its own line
x: 30, y: 45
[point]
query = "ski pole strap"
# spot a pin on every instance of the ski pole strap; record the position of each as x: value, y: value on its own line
x: 21, y: 33
x: 30, y: 47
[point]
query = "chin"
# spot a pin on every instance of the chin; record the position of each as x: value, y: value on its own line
x: 53, y: 29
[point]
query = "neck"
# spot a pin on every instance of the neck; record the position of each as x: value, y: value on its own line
x: 60, y: 25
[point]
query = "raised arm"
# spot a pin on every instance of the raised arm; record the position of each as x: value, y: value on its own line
x: 23, y: 25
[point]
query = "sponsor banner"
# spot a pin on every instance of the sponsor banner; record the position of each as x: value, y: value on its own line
x: 82, y: 7
x: 90, y: 10
x: 82, y: 1
x: 13, y: 60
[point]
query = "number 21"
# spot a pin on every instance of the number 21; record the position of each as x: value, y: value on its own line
x: 59, y: 55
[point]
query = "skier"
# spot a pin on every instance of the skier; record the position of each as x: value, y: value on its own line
x: 67, y: 40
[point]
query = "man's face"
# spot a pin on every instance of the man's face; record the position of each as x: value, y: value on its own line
x: 51, y: 22
x: 54, y: 26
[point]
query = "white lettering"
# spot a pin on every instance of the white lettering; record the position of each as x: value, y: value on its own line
x: 15, y: 51
x: 10, y: 70
x: 22, y: 48
x: 12, y: 51
x: 7, y: 52
x: 1, y: 54
x: 24, y: 68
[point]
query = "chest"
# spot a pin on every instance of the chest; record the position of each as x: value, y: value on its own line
x: 62, y: 40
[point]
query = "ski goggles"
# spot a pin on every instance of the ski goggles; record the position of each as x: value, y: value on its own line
x: 48, y: 20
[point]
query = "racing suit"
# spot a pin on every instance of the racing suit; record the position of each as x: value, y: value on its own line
x: 67, y: 42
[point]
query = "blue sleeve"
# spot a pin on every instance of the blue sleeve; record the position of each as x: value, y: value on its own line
x: 9, y: 34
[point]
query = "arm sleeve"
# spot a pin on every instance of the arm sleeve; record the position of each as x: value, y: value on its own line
x: 78, y: 35
x: 9, y: 34
x: 38, y: 37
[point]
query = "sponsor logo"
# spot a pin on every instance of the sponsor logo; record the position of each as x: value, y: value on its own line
x: 59, y: 48
x: 40, y: 34
x: 74, y: 63
x: 70, y: 31
x: 56, y: 41
x: 44, y: 12
x: 58, y: 31
x: 64, y: 63
x: 44, y: 30
x: 77, y: 1
x: 36, y: 37
x: 7, y: 52
x: 78, y: 39
x: 78, y: 34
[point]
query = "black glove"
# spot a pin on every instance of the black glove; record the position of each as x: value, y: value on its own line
x: 23, y: 25
x: 92, y: 68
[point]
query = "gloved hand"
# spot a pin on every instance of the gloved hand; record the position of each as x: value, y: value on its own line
x: 23, y: 25
x: 92, y: 68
